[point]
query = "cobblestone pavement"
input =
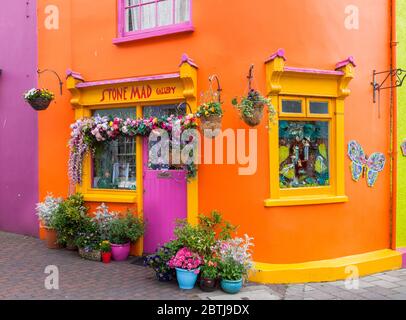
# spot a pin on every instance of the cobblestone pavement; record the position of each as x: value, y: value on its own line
x: 23, y: 261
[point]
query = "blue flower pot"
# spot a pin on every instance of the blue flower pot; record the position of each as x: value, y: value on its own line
x: 186, y: 279
x: 231, y: 286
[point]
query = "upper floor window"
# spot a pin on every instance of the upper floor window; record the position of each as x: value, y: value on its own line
x: 140, y: 19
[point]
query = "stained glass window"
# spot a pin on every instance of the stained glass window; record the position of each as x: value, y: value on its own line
x: 303, y: 153
x: 114, y: 163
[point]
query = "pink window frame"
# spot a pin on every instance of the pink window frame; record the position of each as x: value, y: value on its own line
x: 124, y: 36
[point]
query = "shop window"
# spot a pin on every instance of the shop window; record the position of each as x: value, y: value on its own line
x: 303, y: 153
x: 114, y: 162
x: 140, y: 19
x: 304, y: 143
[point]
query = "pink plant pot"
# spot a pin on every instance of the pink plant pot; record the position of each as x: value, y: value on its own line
x: 120, y: 252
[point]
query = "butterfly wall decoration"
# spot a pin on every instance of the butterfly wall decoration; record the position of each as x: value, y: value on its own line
x: 403, y: 147
x: 362, y: 165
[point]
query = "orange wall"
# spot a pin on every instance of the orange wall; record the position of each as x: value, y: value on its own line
x: 227, y: 38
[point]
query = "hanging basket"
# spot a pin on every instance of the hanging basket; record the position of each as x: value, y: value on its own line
x: 39, y: 103
x: 256, y: 117
x: 212, y: 122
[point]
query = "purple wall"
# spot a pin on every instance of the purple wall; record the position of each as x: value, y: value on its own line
x: 18, y: 122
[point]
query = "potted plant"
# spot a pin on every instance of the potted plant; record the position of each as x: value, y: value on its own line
x: 235, y: 262
x: 68, y: 220
x: 39, y: 99
x: 105, y: 248
x: 46, y: 211
x: 208, y: 275
x: 186, y: 264
x: 251, y: 107
x: 88, y: 240
x: 122, y: 232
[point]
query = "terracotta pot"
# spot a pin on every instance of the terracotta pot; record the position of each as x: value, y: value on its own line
x: 51, y: 237
x: 208, y: 285
x: 106, y: 257
x: 213, y: 123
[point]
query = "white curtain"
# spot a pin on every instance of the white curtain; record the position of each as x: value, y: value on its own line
x: 165, y: 13
x: 131, y: 16
x: 149, y: 14
x: 182, y: 11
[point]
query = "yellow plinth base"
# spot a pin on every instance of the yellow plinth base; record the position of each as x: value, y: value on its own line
x: 327, y: 270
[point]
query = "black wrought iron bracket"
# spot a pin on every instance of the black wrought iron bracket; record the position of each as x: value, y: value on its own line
x: 396, y: 75
x: 55, y: 73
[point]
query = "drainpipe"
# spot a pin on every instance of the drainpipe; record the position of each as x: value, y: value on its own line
x: 393, y: 126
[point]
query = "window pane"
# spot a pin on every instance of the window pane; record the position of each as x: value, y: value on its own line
x: 318, y: 107
x: 119, y: 112
x: 132, y: 16
x: 165, y: 12
x: 114, y: 162
x: 148, y: 14
x: 114, y: 165
x: 303, y: 154
x: 163, y: 110
x: 182, y: 11
x: 292, y: 106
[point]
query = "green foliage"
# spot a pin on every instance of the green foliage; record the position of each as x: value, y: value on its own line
x: 231, y: 269
x: 125, y: 229
x: 159, y: 260
x: 88, y: 236
x: 105, y: 246
x: 253, y: 100
x: 202, y: 237
x: 210, y: 269
x: 69, y: 218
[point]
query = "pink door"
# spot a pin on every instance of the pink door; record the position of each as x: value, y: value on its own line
x: 164, y: 201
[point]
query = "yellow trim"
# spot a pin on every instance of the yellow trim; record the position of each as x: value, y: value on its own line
x: 327, y: 270
x: 85, y: 99
x: 304, y: 200
x: 328, y: 87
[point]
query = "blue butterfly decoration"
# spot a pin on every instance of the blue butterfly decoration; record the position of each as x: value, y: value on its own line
x: 361, y: 164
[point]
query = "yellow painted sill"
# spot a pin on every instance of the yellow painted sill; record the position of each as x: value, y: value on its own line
x: 110, y: 197
x: 304, y: 200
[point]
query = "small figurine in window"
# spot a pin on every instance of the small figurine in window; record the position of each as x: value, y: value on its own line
x: 105, y: 181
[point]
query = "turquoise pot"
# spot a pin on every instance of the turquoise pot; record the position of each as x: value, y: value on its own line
x: 231, y: 286
x: 186, y: 279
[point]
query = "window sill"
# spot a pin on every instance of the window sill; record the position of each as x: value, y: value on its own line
x: 109, y: 197
x: 304, y: 200
x: 154, y: 33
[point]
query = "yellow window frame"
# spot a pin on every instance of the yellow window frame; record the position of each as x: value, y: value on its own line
x: 308, y: 85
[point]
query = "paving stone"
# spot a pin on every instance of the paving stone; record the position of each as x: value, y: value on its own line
x: 384, y: 284
x: 22, y: 277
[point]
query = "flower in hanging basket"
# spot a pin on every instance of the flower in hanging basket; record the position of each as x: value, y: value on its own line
x: 210, y: 115
x: 251, y: 108
x: 39, y: 99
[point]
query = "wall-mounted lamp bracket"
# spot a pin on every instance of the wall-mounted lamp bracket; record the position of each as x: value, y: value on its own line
x: 396, y: 75
x: 54, y: 72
